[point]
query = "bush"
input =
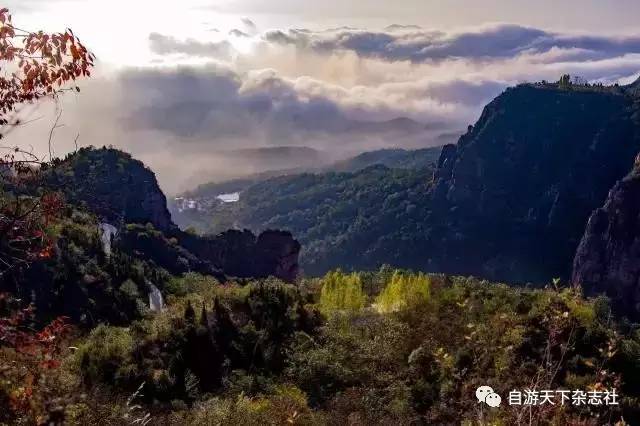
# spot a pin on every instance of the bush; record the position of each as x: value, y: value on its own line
x: 107, y: 356
x: 286, y: 405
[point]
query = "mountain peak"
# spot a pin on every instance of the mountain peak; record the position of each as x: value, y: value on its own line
x: 117, y: 186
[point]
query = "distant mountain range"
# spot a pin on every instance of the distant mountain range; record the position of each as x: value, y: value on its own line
x: 194, y: 118
x: 258, y: 162
x: 390, y: 157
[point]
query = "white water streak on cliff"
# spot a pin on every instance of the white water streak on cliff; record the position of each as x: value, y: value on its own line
x: 107, y: 234
x: 156, y: 302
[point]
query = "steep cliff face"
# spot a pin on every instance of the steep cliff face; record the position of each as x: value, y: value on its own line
x: 242, y: 254
x: 113, y: 185
x: 277, y: 251
x: 608, y: 258
x: 512, y: 198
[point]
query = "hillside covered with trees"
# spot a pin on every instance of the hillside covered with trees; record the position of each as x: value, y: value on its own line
x: 389, y: 347
x: 385, y: 347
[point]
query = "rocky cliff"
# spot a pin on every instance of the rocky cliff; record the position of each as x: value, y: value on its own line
x: 511, y: 200
x: 242, y: 254
x: 113, y: 185
x: 608, y: 258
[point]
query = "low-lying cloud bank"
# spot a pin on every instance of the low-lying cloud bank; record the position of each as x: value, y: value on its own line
x: 398, y: 43
x: 340, y: 91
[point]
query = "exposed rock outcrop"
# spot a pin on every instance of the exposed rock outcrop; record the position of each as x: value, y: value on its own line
x: 277, y: 251
x: 511, y: 200
x: 242, y: 254
x: 113, y: 185
x: 149, y: 244
x: 608, y: 258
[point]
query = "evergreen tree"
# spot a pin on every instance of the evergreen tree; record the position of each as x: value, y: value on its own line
x: 190, y: 314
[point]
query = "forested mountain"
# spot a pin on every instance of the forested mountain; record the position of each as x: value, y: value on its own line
x: 327, y: 210
x: 512, y: 198
x: 392, y: 158
x: 113, y: 185
x: 100, y: 189
x: 509, y: 202
x: 112, y: 314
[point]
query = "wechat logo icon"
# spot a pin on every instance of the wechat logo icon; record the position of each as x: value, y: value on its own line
x: 488, y: 396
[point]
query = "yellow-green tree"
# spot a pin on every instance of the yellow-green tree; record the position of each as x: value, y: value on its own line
x: 342, y: 292
x: 403, y: 291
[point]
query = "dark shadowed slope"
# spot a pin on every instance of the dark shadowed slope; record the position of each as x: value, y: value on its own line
x: 608, y: 258
x: 513, y: 197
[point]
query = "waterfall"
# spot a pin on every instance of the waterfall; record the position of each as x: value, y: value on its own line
x: 107, y: 234
x: 156, y: 302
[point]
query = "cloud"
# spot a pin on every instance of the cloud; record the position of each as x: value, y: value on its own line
x: 410, y: 43
x: 216, y: 104
x: 398, y: 27
x: 249, y: 25
x: 166, y: 45
x: 340, y: 90
x: 183, y: 121
x: 238, y: 33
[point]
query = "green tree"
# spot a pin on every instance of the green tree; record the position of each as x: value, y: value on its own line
x: 404, y: 291
x: 342, y: 292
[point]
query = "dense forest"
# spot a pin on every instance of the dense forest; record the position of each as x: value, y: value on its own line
x: 322, y: 210
x: 262, y: 191
x: 389, y: 347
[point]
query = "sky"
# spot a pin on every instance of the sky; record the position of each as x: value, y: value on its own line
x: 182, y: 84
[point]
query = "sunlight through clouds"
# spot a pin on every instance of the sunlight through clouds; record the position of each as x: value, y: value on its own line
x: 198, y: 77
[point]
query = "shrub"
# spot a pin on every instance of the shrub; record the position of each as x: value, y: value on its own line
x: 130, y: 289
x: 107, y: 356
x: 286, y: 404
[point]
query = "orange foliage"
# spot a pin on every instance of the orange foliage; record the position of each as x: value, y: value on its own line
x: 35, y: 65
x: 41, y: 64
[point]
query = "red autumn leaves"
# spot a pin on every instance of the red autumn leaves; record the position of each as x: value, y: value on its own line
x: 38, y: 64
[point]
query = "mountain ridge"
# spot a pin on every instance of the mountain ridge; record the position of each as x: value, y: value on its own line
x: 122, y: 191
x: 509, y: 202
x: 390, y: 157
